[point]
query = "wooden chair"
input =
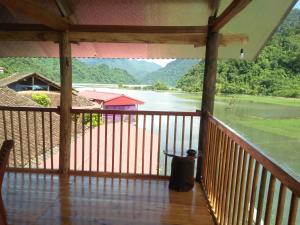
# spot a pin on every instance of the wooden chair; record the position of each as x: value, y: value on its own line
x: 4, y: 154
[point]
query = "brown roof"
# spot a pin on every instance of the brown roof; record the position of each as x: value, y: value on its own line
x: 20, y: 76
x: 18, y: 131
x: 77, y: 101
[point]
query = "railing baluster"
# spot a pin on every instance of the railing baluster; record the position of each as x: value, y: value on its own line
x: 98, y: 139
x: 239, y: 178
x: 223, y: 158
x: 151, y: 145
x: 248, y: 189
x: 76, y: 116
x: 35, y: 140
x: 136, y: 142
x: 280, y: 206
x: 4, y: 124
x: 206, y: 159
x: 113, y: 144
x: 167, y: 143
x: 121, y: 143
x: 253, y: 193
x: 28, y: 140
x: 261, y: 196
x: 213, y: 164
x: 270, y: 200
x: 105, y: 145
x: 21, y: 139
x: 51, y: 138
x: 293, y: 210
x: 143, y: 145
x: 225, y: 178
x: 91, y: 141
x: 220, y: 171
x: 242, y: 188
x: 233, y: 182
x: 175, y: 134
x: 158, y: 147
x: 44, y: 141
x: 182, y: 138
x: 128, y: 143
x: 216, y: 163
x: 191, y: 132
x: 229, y: 177
x: 82, y: 150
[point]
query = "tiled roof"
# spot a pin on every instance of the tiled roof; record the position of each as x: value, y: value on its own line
x: 77, y: 101
x: 110, y: 98
x: 19, y: 76
x: 11, y: 98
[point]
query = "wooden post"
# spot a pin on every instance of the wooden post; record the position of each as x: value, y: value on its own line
x: 65, y: 102
x: 208, y: 94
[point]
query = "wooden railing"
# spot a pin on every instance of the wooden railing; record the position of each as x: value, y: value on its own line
x: 117, y: 142
x: 103, y: 141
x: 243, y: 185
x: 35, y: 132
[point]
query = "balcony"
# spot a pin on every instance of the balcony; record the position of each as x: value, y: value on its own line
x: 118, y: 171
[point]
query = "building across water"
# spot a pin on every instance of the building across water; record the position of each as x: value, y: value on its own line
x: 112, y: 101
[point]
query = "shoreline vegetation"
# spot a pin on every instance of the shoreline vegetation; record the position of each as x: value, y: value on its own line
x: 264, y: 99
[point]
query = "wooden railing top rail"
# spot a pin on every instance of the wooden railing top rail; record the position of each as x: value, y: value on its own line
x: 30, y: 109
x: 137, y: 112
x: 286, y: 177
x: 94, y: 110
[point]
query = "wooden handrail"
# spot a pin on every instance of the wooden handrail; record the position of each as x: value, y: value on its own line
x: 137, y: 112
x: 287, y: 177
x: 30, y: 109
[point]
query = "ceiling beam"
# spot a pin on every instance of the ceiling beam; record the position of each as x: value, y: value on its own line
x: 231, y: 11
x: 108, y: 28
x: 195, y: 39
x: 34, y: 10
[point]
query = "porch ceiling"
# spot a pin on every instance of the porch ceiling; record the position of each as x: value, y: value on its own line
x: 249, y: 29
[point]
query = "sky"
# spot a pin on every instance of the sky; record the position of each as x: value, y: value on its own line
x: 164, y: 62
x: 161, y: 62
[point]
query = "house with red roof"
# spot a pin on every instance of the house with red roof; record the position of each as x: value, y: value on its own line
x: 112, y: 101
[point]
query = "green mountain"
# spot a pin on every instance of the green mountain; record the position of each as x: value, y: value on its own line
x: 276, y: 71
x: 171, y: 72
x: 138, y: 68
x: 82, y: 73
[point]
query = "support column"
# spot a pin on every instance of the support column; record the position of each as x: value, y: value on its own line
x: 65, y: 102
x: 208, y: 93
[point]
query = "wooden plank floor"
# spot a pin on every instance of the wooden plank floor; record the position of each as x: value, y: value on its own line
x: 52, y: 199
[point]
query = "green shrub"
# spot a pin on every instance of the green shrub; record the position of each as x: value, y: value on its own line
x: 87, y: 119
x: 41, y: 99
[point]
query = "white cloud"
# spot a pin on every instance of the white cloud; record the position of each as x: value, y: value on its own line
x: 161, y: 62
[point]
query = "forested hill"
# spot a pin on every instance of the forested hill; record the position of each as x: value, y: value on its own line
x: 138, y: 68
x: 82, y: 73
x: 276, y: 71
x: 171, y: 72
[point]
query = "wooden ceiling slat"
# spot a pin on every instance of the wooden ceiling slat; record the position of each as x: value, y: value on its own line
x: 33, y: 10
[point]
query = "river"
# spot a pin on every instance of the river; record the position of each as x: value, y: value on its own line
x: 274, y: 128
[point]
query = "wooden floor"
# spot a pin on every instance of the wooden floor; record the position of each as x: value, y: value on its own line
x: 51, y: 199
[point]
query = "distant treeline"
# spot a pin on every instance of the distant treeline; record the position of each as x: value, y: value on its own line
x: 275, y: 72
x: 82, y: 72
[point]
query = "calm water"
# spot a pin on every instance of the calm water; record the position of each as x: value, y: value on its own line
x: 238, y: 114
x: 245, y: 117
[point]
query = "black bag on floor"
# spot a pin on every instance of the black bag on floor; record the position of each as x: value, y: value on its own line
x: 182, y: 172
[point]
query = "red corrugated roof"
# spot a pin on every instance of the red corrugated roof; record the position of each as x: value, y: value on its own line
x: 110, y: 98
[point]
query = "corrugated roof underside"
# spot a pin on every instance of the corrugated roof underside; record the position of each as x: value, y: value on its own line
x: 257, y: 21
